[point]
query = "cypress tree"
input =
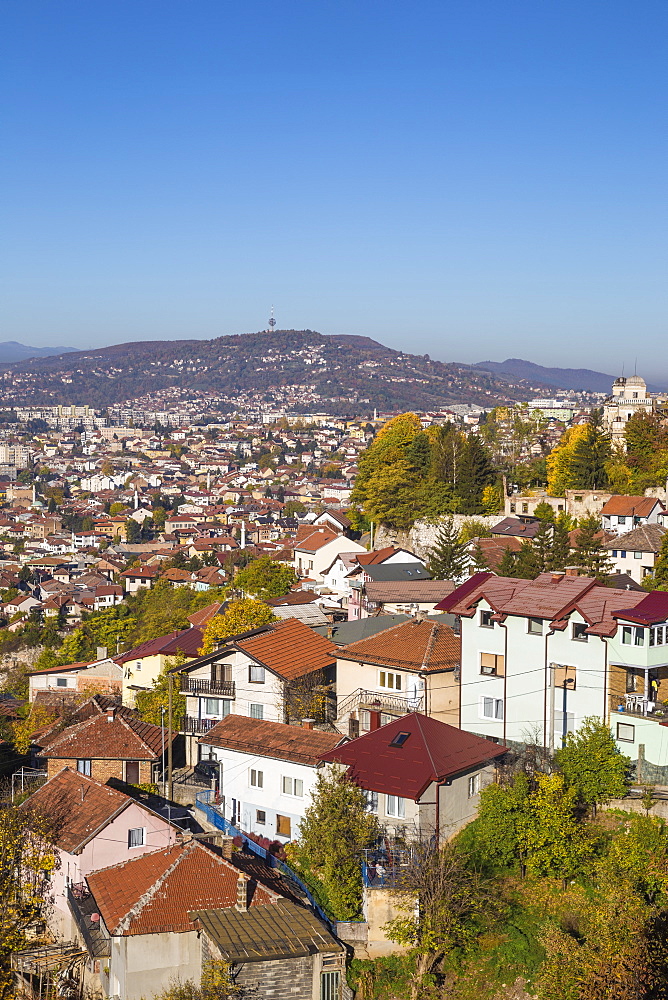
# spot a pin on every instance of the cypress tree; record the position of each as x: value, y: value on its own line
x: 448, y: 557
x: 590, y: 557
x: 591, y: 453
x: 475, y: 472
x: 542, y: 546
x: 508, y: 564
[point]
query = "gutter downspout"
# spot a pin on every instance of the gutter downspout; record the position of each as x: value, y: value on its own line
x: 606, y: 709
x: 505, y: 676
x: 545, y: 670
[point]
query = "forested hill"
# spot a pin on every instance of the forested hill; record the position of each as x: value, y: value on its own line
x: 579, y: 379
x: 299, y: 368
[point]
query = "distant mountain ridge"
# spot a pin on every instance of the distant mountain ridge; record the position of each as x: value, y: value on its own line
x: 11, y: 350
x: 299, y: 370
x: 578, y: 379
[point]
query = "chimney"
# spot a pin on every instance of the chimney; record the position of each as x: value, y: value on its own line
x: 242, y: 893
x: 111, y: 714
x: 308, y: 723
x: 101, y: 652
x: 556, y: 577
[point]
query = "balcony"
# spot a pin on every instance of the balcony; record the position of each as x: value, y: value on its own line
x: 87, y: 918
x: 196, y: 727
x: 379, y: 701
x: 204, y: 686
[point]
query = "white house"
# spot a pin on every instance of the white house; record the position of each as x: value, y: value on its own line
x: 540, y: 656
x: 268, y: 771
x: 316, y: 551
x: 621, y: 513
x: 637, y: 551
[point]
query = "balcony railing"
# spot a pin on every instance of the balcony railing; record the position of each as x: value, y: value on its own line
x: 197, y: 685
x: 379, y: 701
x: 84, y: 910
x: 196, y: 727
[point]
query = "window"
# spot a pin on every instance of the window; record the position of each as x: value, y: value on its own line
x: 260, y: 817
x: 633, y: 636
x: 283, y: 825
x: 389, y: 680
x: 492, y: 708
x: 216, y: 706
x: 658, y: 635
x: 639, y: 637
x: 474, y: 785
x: 399, y: 739
x: 385, y: 717
x: 564, y: 677
x: 637, y: 555
x: 83, y: 767
x: 622, y: 553
x: 256, y: 778
x: 255, y: 674
x: 535, y: 626
x: 330, y: 985
x: 292, y: 786
x: 525, y: 508
x: 580, y: 631
x: 371, y: 802
x: 492, y: 663
x: 257, y: 711
x: 138, y: 666
x: 626, y: 732
x: 631, y: 681
x: 61, y: 682
x: 395, y: 806
x: 137, y: 837
x: 132, y: 772
x: 621, y: 520
x: 614, y: 553
x: 486, y: 619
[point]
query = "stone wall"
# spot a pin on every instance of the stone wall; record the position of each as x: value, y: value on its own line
x: 422, y: 536
x: 285, y: 979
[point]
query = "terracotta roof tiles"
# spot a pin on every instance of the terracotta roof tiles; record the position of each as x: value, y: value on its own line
x: 271, y: 739
x: 630, y: 506
x: 412, y: 645
x: 107, y: 737
x: 290, y: 648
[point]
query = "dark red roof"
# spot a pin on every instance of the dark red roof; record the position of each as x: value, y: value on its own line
x: 651, y: 609
x: 433, y: 751
x: 463, y: 591
x: 187, y: 641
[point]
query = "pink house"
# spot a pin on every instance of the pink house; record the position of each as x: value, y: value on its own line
x: 93, y: 826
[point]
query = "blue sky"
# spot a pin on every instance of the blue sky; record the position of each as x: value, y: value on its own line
x: 477, y: 180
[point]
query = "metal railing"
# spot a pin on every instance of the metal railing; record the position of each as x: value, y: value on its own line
x: 84, y: 910
x: 197, y: 685
x: 216, y: 818
x: 378, y: 701
x: 195, y: 727
x: 383, y: 868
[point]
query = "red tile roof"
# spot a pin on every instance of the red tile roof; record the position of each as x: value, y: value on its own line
x: 271, y: 739
x: 153, y: 893
x: 99, y: 738
x: 376, y: 556
x: 200, y: 619
x: 290, y: 648
x: 651, y: 609
x: 628, y: 506
x: 433, y: 751
x: 76, y: 808
x: 316, y: 539
x: 413, y: 645
x: 294, y: 597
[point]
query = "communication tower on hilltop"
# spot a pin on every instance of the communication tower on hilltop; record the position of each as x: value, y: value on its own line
x: 272, y: 322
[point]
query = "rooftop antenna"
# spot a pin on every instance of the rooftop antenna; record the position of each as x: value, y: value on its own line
x: 635, y: 366
x: 272, y: 321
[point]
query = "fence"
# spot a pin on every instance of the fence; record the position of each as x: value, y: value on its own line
x: 216, y: 818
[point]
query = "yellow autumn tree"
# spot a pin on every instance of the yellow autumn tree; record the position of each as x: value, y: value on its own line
x: 560, y: 460
x: 241, y: 616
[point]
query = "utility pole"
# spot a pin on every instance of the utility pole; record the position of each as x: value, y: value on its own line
x: 170, y: 746
x: 550, y: 742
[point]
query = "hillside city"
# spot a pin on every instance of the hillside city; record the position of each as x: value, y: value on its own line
x: 305, y: 702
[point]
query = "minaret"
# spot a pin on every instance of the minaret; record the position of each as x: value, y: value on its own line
x: 136, y: 500
x: 243, y: 535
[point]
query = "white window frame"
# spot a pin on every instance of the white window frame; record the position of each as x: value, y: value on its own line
x: 292, y: 786
x: 580, y: 638
x: 258, y: 670
x: 256, y: 710
x: 87, y: 766
x: 495, y: 706
x: 625, y: 726
x: 538, y: 622
x: 486, y: 614
x: 256, y: 778
x: 395, y: 806
x: 474, y: 784
x: 140, y: 841
x: 384, y: 678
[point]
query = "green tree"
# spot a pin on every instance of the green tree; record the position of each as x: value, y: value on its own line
x: 592, y: 764
x: 336, y: 829
x: 560, y: 556
x: 493, y: 839
x: 132, y: 531
x: 475, y: 473
x: 542, y: 546
x: 448, y: 557
x: 560, y: 460
x: 591, y: 558
x: 265, y: 578
x: 478, y: 560
x: 294, y: 508
x: 472, y: 528
x: 492, y: 499
x: 551, y: 840
x: 240, y: 616
x: 507, y: 564
x: 528, y: 563
x: 658, y: 580
x: 544, y: 512
x: 216, y: 983
x: 591, y: 455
